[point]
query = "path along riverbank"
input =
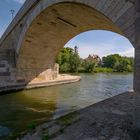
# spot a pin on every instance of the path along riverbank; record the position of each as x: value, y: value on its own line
x: 61, y: 79
x: 110, y: 119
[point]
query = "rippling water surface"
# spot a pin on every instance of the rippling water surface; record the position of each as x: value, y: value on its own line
x: 19, y: 110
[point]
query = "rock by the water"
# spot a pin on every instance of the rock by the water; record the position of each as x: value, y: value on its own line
x: 4, y: 131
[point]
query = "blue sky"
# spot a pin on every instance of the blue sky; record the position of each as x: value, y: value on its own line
x: 92, y: 42
x: 102, y: 43
x: 5, y: 15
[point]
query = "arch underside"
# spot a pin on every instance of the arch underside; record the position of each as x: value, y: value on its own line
x: 53, y: 28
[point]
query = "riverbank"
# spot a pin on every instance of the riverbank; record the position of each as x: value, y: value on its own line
x: 110, y: 119
x: 61, y: 79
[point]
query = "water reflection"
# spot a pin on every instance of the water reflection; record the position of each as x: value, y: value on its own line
x: 38, y: 105
x: 21, y: 109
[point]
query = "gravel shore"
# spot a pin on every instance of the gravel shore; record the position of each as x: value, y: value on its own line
x: 110, y: 119
x: 37, y: 83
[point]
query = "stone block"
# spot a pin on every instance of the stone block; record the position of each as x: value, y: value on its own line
x: 137, y: 116
x: 137, y: 99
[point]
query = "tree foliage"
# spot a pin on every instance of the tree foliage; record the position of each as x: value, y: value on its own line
x: 88, y: 65
x: 70, y: 61
x: 118, y: 63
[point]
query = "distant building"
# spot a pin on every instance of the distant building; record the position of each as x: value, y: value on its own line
x: 76, y: 50
x: 94, y: 58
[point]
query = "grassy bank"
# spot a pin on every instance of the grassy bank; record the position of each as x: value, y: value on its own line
x: 97, y: 70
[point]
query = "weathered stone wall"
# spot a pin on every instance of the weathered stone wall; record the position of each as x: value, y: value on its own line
x: 42, y: 27
x: 27, y: 75
x: 137, y: 64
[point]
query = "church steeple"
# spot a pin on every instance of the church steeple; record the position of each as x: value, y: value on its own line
x: 76, y: 50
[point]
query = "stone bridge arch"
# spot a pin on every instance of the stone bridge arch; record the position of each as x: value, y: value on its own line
x: 42, y: 27
x: 52, y: 23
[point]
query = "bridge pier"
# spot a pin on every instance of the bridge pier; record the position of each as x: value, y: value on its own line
x: 137, y: 65
x: 41, y: 28
x: 31, y: 75
x: 13, y: 76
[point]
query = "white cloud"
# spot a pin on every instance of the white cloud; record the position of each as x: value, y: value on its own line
x: 129, y: 52
x: 101, y: 43
x: 101, y: 49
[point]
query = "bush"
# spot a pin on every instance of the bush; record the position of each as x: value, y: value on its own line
x: 100, y: 69
x: 32, y: 126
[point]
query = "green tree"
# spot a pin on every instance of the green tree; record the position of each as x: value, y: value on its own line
x: 75, y: 60
x: 118, y: 63
x: 125, y: 65
x: 111, y: 61
x: 63, y: 59
x: 89, y: 65
x: 68, y: 60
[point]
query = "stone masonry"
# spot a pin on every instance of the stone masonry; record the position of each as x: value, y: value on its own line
x: 31, y: 43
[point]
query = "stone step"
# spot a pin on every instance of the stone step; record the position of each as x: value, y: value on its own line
x: 5, y: 73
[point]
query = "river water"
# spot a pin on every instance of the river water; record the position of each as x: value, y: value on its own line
x: 20, y: 109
